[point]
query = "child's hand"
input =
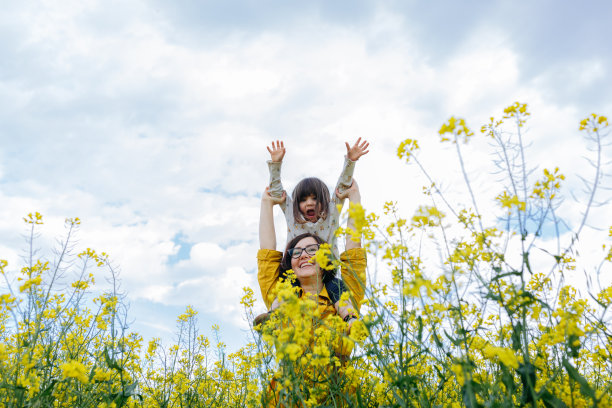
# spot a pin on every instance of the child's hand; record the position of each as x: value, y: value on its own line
x: 358, y: 150
x: 277, y: 152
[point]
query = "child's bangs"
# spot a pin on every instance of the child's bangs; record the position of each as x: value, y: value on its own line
x: 311, y: 186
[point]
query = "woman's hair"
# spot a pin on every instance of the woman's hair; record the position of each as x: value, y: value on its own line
x: 307, y: 187
x: 286, y: 261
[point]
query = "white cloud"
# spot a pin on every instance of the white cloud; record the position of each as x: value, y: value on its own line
x: 206, y: 254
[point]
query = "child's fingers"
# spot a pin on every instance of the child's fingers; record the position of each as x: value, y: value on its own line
x: 270, y: 151
x: 278, y: 145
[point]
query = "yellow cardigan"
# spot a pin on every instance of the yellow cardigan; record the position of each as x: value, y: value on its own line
x: 353, y: 270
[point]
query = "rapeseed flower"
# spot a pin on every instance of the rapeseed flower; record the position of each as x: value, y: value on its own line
x: 75, y: 369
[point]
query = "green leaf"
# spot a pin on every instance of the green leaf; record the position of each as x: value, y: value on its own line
x: 47, y: 391
x: 527, y: 373
x: 437, y: 340
x: 456, y: 342
x: 585, y: 388
x: 517, y: 330
x: 526, y: 260
x: 111, y: 362
x: 503, y: 275
x: 550, y: 401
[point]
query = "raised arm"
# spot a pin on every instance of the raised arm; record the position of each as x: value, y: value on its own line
x: 277, y: 152
x: 354, y: 197
x: 267, y: 234
x: 352, y: 155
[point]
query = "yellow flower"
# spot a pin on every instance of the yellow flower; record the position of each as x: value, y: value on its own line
x: 458, y: 370
x: 101, y: 374
x: 518, y: 111
x: 35, y: 218
x: 322, y: 257
x: 293, y: 351
x: 427, y: 216
x: 407, y: 148
x: 456, y: 127
x: 357, y: 213
x: 189, y: 313
x: 605, y: 296
x: 29, y: 283
x: 502, y: 354
x: 80, y: 284
x: 359, y: 332
x: 7, y: 300
x: 248, y: 299
x: 75, y: 369
x: 508, y: 201
x: 594, y: 123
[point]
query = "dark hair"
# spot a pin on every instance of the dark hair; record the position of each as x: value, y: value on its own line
x: 307, y: 187
x: 286, y: 261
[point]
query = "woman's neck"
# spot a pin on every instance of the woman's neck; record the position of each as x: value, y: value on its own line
x: 312, y: 285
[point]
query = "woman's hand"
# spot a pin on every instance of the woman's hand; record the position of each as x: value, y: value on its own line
x: 355, y: 152
x: 354, y: 197
x: 274, y: 200
x: 267, y: 234
x: 352, y: 193
x: 277, y: 152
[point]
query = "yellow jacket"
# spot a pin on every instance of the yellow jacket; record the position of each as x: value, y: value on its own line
x: 353, y: 271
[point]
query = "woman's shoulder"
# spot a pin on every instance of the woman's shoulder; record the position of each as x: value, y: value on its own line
x: 269, y: 255
x: 353, y: 254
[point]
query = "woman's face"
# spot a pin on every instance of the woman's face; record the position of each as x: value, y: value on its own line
x: 302, y: 267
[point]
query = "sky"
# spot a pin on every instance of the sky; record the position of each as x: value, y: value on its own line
x: 149, y: 120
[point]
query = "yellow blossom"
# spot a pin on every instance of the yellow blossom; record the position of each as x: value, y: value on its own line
x: 508, y: 201
x: 75, y: 369
x: 29, y: 283
x: 322, y: 257
x: 407, y: 148
x: 456, y: 127
x: 504, y: 355
x: 102, y: 374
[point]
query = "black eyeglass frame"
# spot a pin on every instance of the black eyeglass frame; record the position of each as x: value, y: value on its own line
x: 296, y: 252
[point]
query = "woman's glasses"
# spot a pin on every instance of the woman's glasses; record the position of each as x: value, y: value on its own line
x: 310, y: 250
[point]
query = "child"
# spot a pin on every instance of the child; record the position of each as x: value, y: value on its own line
x: 311, y: 209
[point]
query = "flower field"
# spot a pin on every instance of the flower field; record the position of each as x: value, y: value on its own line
x: 479, y: 326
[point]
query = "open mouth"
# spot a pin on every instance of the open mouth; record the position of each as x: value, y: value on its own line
x: 310, y: 214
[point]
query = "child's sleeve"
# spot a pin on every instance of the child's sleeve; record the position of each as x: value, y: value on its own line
x: 276, y: 187
x: 346, y: 177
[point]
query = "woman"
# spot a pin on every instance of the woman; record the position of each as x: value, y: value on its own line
x: 272, y: 264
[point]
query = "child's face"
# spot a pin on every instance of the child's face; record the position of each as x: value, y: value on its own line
x: 308, y: 208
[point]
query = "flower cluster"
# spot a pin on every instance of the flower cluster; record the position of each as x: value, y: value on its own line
x: 455, y: 127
